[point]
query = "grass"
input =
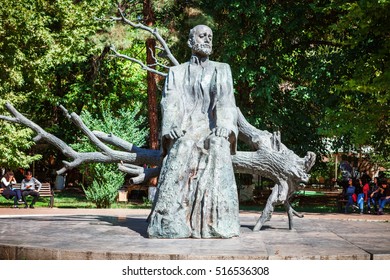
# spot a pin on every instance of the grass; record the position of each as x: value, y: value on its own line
x: 66, y: 200
x: 314, y: 202
x: 280, y: 208
x: 309, y: 193
x: 75, y: 198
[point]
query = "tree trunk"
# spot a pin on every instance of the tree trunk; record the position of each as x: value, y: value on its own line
x: 152, y: 98
x: 151, y: 79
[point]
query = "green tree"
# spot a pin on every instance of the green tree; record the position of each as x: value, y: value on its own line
x: 13, y: 147
x: 279, y: 56
x: 361, y: 115
x: 312, y: 69
x: 56, y: 52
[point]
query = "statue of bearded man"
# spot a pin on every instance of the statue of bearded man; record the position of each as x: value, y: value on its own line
x: 196, y: 193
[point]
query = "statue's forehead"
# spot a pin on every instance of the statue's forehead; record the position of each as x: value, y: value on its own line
x: 202, y: 29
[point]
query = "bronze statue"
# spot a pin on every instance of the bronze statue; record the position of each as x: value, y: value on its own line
x: 197, y: 193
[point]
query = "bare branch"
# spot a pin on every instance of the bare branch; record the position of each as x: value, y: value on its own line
x: 79, y: 158
x: 140, y: 174
x: 156, y: 61
x: 160, y: 48
x: 116, y: 141
x: 8, y: 119
x: 141, y: 156
x: 42, y: 134
x: 143, y: 65
x: 152, y: 31
x: 80, y: 124
x: 152, y: 157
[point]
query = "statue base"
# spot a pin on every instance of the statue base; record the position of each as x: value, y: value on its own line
x: 82, y: 234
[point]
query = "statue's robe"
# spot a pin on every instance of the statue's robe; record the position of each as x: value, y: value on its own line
x: 196, y: 193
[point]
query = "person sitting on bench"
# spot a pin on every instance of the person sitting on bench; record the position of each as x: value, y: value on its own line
x: 30, y: 186
x: 6, y: 183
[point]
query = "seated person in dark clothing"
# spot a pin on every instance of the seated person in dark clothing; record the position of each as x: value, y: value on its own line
x: 384, y: 195
x: 349, y: 193
x: 374, y: 195
x: 30, y: 186
x: 9, y: 192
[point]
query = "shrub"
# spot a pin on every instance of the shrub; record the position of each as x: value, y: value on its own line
x: 104, y: 188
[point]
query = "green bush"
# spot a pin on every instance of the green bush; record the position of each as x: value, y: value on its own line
x: 104, y: 188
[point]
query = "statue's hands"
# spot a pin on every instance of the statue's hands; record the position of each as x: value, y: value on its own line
x: 176, y: 133
x: 222, y: 132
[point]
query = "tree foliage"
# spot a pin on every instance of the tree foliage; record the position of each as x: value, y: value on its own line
x: 311, y: 69
x: 56, y: 52
x: 12, y: 145
x: 126, y: 123
x: 278, y: 58
x: 361, y: 115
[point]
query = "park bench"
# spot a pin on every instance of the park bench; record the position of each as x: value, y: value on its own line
x: 341, y: 203
x: 330, y: 199
x: 45, y: 191
x: 136, y: 191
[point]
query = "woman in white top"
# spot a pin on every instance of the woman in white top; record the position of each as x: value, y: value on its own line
x: 6, y: 183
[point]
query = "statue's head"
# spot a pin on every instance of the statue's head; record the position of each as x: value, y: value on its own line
x: 201, y: 40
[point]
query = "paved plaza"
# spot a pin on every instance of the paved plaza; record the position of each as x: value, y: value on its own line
x: 82, y: 234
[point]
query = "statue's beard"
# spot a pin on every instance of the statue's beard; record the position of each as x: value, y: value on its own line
x: 204, y: 49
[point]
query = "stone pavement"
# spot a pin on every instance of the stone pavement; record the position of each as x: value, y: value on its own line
x: 82, y: 234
